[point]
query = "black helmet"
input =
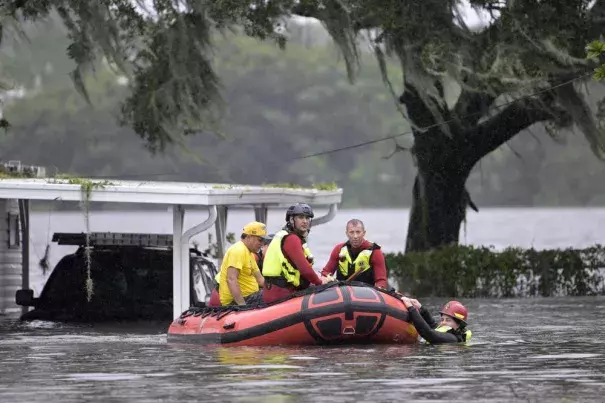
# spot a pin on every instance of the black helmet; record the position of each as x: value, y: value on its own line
x: 299, y: 209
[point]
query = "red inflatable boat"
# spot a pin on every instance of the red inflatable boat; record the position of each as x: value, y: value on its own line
x: 338, y: 313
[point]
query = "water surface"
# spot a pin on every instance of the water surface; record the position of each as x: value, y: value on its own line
x: 543, y: 349
x: 546, y: 349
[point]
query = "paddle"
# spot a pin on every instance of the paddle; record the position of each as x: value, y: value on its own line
x: 354, y: 276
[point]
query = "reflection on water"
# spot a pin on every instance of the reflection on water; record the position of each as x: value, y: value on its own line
x: 523, y: 350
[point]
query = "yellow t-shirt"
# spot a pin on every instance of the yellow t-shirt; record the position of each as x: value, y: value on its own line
x: 240, y: 257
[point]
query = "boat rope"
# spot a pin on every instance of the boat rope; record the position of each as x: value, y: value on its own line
x: 44, y: 263
x: 221, y: 311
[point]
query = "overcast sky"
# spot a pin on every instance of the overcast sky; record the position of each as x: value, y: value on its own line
x: 472, y: 18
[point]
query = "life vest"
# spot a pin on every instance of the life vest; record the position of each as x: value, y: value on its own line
x: 276, y: 265
x: 463, y: 335
x: 348, y: 266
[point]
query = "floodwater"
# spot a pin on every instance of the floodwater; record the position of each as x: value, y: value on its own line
x: 541, y: 349
x: 535, y: 350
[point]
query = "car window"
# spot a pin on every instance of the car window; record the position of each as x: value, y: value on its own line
x: 203, y: 272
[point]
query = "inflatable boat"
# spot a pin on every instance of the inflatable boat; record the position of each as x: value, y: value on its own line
x: 336, y: 313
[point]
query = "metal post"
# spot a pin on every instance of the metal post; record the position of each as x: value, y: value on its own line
x: 185, y: 256
x: 24, y: 216
x: 221, y: 233
x: 329, y: 216
x: 260, y: 214
x: 11, y: 267
x: 178, y: 215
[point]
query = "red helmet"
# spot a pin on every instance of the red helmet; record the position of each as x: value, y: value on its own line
x: 455, y: 310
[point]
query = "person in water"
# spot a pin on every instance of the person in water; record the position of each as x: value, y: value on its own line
x: 357, y: 259
x: 287, y: 266
x: 451, y: 328
x: 215, y: 299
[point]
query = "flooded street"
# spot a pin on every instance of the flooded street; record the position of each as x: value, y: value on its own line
x: 156, y: 153
x: 534, y: 350
x: 527, y: 350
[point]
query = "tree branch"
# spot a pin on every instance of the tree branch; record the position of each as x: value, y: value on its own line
x: 472, y: 106
x: 418, y: 112
x: 496, y: 131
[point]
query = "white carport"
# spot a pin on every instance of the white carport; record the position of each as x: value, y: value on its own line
x: 180, y: 196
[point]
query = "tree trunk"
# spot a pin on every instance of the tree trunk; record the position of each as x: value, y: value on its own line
x: 445, y: 159
x: 439, y: 195
x: 438, y: 209
x: 444, y: 163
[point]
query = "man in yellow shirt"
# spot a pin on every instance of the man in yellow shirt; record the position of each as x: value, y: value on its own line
x: 240, y: 278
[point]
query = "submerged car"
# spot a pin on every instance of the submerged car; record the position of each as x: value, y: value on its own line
x: 131, y: 280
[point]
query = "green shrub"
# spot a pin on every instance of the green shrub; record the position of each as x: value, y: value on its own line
x: 469, y: 271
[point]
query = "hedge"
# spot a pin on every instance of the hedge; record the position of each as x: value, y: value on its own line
x: 470, y: 272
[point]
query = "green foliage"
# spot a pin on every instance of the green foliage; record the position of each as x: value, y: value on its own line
x: 470, y: 272
x: 277, y: 103
x: 87, y: 185
x: 594, y: 51
x: 175, y: 89
x: 326, y: 186
x: 178, y: 68
x: 164, y: 47
x: 12, y: 175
